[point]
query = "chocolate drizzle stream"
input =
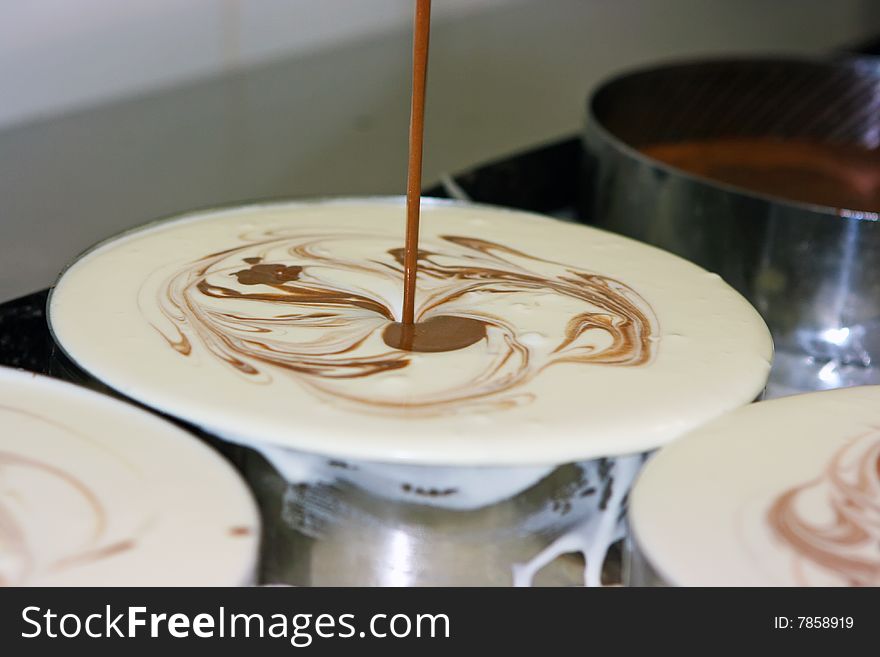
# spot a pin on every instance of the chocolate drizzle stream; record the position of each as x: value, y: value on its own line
x: 848, y: 544
x: 421, y: 34
x: 320, y: 307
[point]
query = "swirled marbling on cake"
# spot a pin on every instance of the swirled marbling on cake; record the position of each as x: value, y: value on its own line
x: 321, y: 306
x: 28, y: 486
x: 538, y: 342
x: 845, y: 543
x: 95, y: 492
x: 784, y: 492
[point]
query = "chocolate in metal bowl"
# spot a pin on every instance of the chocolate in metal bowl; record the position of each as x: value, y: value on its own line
x: 790, y: 216
x: 490, y: 462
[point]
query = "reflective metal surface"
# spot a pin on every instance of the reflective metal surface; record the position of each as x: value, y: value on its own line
x: 637, y: 570
x: 554, y: 532
x: 813, y: 272
x: 332, y: 523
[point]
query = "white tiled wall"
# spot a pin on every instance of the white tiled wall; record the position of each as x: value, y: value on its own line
x: 330, y: 116
x: 56, y: 55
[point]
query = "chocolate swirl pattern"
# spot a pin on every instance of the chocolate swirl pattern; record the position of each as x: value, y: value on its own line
x: 28, y: 486
x: 96, y: 492
x: 321, y: 306
x: 847, y: 544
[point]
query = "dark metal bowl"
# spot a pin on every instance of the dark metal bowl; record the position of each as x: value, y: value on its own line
x: 812, y: 271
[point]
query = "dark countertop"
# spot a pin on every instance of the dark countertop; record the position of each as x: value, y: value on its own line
x: 24, y: 335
